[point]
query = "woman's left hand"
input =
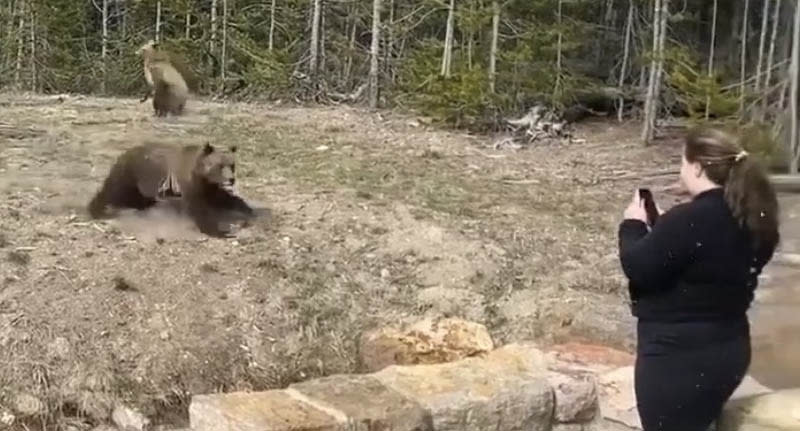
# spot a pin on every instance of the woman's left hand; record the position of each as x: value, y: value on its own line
x: 635, y: 209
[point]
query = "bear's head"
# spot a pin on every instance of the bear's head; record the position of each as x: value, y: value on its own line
x: 147, y: 48
x: 216, y: 168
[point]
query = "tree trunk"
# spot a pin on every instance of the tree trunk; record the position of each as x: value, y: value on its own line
x: 104, y: 48
x: 794, y: 145
x: 625, y: 54
x: 608, y: 21
x: 470, y: 35
x: 188, y: 24
x: 662, y: 38
x: 272, y: 25
x: 771, y: 55
x: 557, y: 87
x: 388, y: 50
x: 493, y: 50
x: 313, y: 63
x: 761, y: 41
x: 352, y: 48
x: 33, y: 48
x: 374, y: 53
x: 643, y: 70
x: 711, y: 53
x: 322, y: 51
x: 9, y: 26
x: 448, y: 40
x: 743, y: 60
x: 119, y: 17
x: 651, y: 103
x: 224, y: 52
x: 212, y: 44
x: 735, y: 33
x: 158, y: 20
x: 20, y: 45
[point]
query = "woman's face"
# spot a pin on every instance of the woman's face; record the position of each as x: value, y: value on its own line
x: 688, y: 175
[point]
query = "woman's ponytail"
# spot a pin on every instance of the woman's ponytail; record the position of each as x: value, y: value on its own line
x: 748, y: 190
x: 752, y: 200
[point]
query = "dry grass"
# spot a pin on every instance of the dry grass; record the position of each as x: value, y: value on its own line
x: 373, y: 222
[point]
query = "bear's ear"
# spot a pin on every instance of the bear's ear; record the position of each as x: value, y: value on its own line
x: 232, y: 148
x: 208, y: 149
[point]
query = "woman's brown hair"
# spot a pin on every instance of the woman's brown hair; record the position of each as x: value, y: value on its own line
x: 748, y: 190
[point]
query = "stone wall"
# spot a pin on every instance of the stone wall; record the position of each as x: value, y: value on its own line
x: 514, y: 387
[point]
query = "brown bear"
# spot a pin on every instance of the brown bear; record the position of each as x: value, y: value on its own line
x: 200, y: 178
x: 167, y: 78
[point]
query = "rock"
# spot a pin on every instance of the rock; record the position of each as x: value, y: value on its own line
x: 506, y: 389
x: 517, y: 357
x: 90, y: 390
x: 276, y: 410
x: 6, y: 418
x: 74, y: 424
x: 618, y: 398
x: 575, y: 397
x: 59, y: 348
x: 776, y: 411
x: 567, y: 427
x: 499, y: 393
x: 425, y: 342
x: 28, y: 405
x: 451, y: 301
x: 606, y: 321
x: 749, y: 387
x: 365, y: 402
x: 127, y: 419
x: 593, y: 356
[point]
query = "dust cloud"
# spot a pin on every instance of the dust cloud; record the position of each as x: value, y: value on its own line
x: 158, y: 223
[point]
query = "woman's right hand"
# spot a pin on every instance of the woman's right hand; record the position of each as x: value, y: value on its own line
x: 635, y: 210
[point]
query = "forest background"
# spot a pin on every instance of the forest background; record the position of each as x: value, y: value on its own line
x: 466, y: 63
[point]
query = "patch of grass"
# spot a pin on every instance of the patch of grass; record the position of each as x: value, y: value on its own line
x: 123, y: 285
x: 209, y: 268
x: 18, y: 257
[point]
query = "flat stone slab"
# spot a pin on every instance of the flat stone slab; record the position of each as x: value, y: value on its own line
x: 258, y: 411
x: 366, y: 403
x: 508, y: 389
x: 469, y: 396
x: 776, y: 411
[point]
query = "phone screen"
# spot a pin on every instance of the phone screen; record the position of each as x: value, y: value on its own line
x: 649, y: 206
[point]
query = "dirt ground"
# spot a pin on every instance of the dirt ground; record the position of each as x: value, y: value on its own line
x: 376, y: 218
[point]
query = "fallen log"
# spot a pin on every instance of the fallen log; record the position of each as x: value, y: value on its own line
x: 787, y: 259
x: 786, y: 183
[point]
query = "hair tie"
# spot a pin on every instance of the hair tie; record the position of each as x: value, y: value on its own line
x: 742, y: 154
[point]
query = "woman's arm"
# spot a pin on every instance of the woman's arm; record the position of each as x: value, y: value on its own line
x: 649, y: 260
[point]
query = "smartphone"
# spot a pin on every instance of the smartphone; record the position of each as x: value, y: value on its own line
x: 649, y: 205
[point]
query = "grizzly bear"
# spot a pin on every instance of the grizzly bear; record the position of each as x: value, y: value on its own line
x: 200, y: 178
x: 167, y: 78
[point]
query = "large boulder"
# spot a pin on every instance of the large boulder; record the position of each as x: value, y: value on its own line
x: 426, y: 342
x: 618, y: 397
x: 775, y: 411
x: 507, y: 389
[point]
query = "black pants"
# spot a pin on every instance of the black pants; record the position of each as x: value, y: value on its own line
x: 685, y: 372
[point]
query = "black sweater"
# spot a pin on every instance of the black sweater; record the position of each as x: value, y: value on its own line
x: 696, y: 264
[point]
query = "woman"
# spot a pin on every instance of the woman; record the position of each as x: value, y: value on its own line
x: 692, y: 277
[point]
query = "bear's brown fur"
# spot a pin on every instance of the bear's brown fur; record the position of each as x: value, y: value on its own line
x: 200, y: 177
x: 166, y: 82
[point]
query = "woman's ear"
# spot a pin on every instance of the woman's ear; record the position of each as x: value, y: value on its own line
x: 698, y: 169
